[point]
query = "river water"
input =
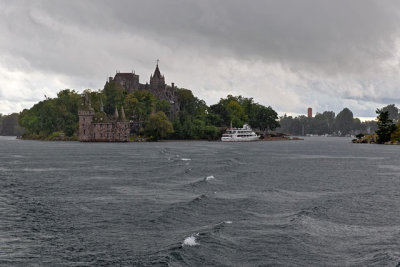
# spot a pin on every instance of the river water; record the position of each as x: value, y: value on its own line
x: 317, y: 202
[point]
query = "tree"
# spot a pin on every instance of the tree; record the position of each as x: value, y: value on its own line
x: 163, y: 105
x: 53, y: 115
x: 385, y: 126
x: 187, y: 102
x: 139, y: 105
x: 393, y: 112
x: 344, y: 121
x: 263, y: 118
x: 158, y: 126
x: 10, y: 125
x: 236, y: 113
x: 369, y: 127
x: 114, y: 96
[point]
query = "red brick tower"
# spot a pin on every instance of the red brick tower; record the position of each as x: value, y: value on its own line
x: 309, y: 112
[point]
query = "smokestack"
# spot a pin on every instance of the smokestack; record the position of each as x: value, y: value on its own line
x: 309, y: 112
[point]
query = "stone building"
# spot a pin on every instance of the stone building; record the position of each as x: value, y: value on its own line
x: 97, y: 127
x: 157, y: 86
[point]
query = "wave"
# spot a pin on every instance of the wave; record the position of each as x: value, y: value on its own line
x: 190, y: 241
x: 42, y: 169
x: 209, y: 178
x: 363, y: 245
x: 189, y: 249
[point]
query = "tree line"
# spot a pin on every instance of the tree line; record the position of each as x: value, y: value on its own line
x: 150, y: 116
x: 327, y: 122
x: 9, y: 125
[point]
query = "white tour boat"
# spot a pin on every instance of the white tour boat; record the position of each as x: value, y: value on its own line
x: 239, y: 134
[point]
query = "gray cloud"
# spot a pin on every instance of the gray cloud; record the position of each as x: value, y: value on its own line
x: 341, y: 49
x: 331, y: 36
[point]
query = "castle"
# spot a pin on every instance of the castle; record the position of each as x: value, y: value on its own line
x: 157, y: 86
x: 98, y: 127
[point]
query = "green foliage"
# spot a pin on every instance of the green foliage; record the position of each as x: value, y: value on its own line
x: 114, y: 96
x: 195, y: 119
x: 240, y: 110
x: 263, y: 118
x: 187, y: 102
x: 393, y: 112
x: 344, y: 121
x: 139, y: 105
x: 162, y: 105
x: 158, y: 126
x: 326, y: 123
x: 52, y: 115
x: 395, y: 136
x: 385, y: 126
x: 236, y: 113
x: 230, y: 110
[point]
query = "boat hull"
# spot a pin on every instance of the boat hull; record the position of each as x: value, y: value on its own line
x: 240, y: 139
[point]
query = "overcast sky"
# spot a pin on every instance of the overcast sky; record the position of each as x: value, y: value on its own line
x: 289, y: 54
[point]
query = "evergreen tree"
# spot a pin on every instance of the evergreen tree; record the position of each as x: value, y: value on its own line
x: 385, y: 126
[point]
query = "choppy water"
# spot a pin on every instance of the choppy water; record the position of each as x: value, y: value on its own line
x: 317, y: 202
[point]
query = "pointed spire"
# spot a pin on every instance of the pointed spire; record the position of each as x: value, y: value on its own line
x: 116, y: 113
x: 157, y: 72
x: 101, y: 105
x: 123, y: 114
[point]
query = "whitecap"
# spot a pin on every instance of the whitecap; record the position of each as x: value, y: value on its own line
x: 228, y: 222
x: 184, y: 159
x: 190, y: 241
x: 210, y: 177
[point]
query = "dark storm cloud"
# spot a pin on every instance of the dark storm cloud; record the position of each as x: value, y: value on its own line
x: 327, y: 48
x: 332, y: 36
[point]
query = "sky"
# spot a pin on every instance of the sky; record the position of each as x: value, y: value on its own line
x: 287, y: 54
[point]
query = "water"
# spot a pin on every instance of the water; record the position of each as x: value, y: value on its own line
x: 317, y: 202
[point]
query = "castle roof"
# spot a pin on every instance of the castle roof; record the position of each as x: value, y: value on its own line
x: 126, y: 75
x: 157, y: 72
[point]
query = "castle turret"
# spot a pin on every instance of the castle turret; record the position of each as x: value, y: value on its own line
x: 116, y: 115
x: 85, y: 125
x: 122, y: 117
x: 101, y: 105
x: 157, y: 81
x: 86, y: 114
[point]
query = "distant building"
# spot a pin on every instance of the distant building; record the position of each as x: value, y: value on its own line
x: 157, y: 86
x: 309, y: 112
x: 97, y: 127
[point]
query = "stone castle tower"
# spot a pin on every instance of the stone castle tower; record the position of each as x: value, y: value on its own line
x: 157, y: 86
x: 157, y: 80
x: 98, y: 127
x: 85, y: 125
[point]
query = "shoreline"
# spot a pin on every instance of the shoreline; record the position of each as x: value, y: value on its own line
x: 166, y: 140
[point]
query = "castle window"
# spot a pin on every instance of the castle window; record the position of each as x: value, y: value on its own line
x: 84, y: 132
